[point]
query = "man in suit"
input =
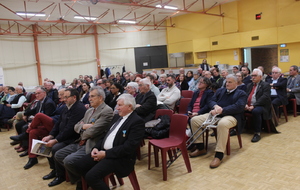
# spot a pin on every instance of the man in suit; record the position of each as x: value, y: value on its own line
x: 278, y: 89
x: 229, y: 103
x: 145, y: 101
x: 246, y: 72
x: 204, y: 66
x: 258, y: 102
x: 116, y: 152
x: 63, y: 134
x: 293, y: 84
x: 91, y: 128
x: 52, y: 92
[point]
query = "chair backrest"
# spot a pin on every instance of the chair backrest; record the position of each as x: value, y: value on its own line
x: 178, y: 126
x: 183, y: 105
x: 163, y: 112
x: 187, y: 93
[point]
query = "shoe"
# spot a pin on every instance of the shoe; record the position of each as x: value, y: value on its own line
x: 19, y: 137
x: 21, y: 150
x: 25, y: 153
x: 17, y: 147
x: 14, y: 143
x: 232, y: 132
x: 212, y: 134
x: 79, y: 185
x: 215, y: 163
x: 193, y: 148
x: 31, y: 162
x: 255, y: 138
x: 51, y: 175
x: 198, y: 152
x: 56, y: 181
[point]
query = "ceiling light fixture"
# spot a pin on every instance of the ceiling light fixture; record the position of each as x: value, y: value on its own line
x: 85, y: 17
x: 30, y: 14
x: 166, y: 7
x: 127, y: 21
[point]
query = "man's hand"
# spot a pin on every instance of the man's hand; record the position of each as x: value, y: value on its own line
x: 218, y: 110
x: 47, y: 138
x: 51, y: 143
x: 97, y: 155
x: 86, y: 126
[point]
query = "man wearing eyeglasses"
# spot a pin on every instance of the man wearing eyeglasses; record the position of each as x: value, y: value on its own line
x: 91, y: 128
x: 258, y: 102
x: 63, y: 134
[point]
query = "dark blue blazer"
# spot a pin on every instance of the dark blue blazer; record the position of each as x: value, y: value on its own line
x: 206, y: 97
x: 85, y: 100
x: 280, y: 88
x: 247, y: 80
x: 234, y: 108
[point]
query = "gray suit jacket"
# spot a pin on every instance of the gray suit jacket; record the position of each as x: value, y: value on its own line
x: 296, y: 88
x: 101, y: 119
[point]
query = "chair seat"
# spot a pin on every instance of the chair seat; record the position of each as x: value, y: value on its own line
x: 166, y: 143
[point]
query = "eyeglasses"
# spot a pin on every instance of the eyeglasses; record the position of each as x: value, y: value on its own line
x: 99, y: 83
x: 254, y: 75
x: 66, y: 97
x: 275, y: 72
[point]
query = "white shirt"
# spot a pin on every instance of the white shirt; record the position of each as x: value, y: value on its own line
x: 108, y: 144
x: 273, y: 91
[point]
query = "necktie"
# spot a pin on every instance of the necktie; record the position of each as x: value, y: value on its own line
x: 251, y: 94
x: 111, y: 130
x: 291, y: 83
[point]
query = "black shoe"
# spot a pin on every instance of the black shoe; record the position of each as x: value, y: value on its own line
x: 212, y: 134
x: 255, y: 138
x: 19, y: 137
x: 25, y: 153
x: 56, y: 181
x: 232, y: 132
x: 31, y: 162
x: 51, y: 175
x: 79, y: 185
x: 14, y: 143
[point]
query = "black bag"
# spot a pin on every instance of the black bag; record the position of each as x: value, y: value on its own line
x: 161, y: 130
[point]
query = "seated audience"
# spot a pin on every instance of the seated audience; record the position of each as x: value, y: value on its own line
x: 189, y: 76
x: 91, y: 128
x: 116, y: 152
x: 258, y: 102
x: 228, y: 103
x: 63, y: 134
x: 168, y: 96
x: 246, y: 74
x: 63, y: 84
x: 162, y: 83
x: 52, y: 93
x: 145, y: 101
x: 278, y: 89
x: 293, y: 84
x: 153, y: 88
x: 193, y: 84
x: 132, y: 88
x: 240, y: 83
x: 183, y: 83
x: 115, y: 91
x: 84, y: 94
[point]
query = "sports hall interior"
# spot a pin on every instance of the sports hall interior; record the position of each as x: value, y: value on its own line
x: 222, y: 36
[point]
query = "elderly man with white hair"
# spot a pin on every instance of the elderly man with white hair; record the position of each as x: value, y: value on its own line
x: 258, y: 102
x: 145, y: 101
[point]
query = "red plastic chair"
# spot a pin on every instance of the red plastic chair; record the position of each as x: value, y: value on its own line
x: 183, y: 105
x: 187, y: 93
x: 160, y: 112
x: 132, y: 177
x: 176, y: 140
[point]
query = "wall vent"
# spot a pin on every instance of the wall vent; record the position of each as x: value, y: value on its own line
x: 214, y: 43
x: 255, y: 38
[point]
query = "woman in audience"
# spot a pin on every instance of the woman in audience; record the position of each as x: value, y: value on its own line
x: 189, y: 76
x: 74, y: 83
x: 240, y: 83
x: 183, y: 83
x: 12, y: 94
x: 200, y: 99
x: 79, y: 85
x: 108, y: 84
x: 132, y: 88
x: 84, y: 94
x: 194, y: 82
x: 115, y: 91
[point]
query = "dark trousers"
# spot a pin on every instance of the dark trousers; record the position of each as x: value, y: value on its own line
x: 55, y: 148
x: 257, y: 113
x: 276, y: 102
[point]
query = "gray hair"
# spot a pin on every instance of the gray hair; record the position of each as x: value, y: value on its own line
x: 99, y: 90
x: 128, y: 100
x: 146, y: 81
x: 134, y: 85
x: 19, y: 87
x: 231, y: 76
x: 259, y: 72
x: 276, y: 68
x: 163, y: 75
